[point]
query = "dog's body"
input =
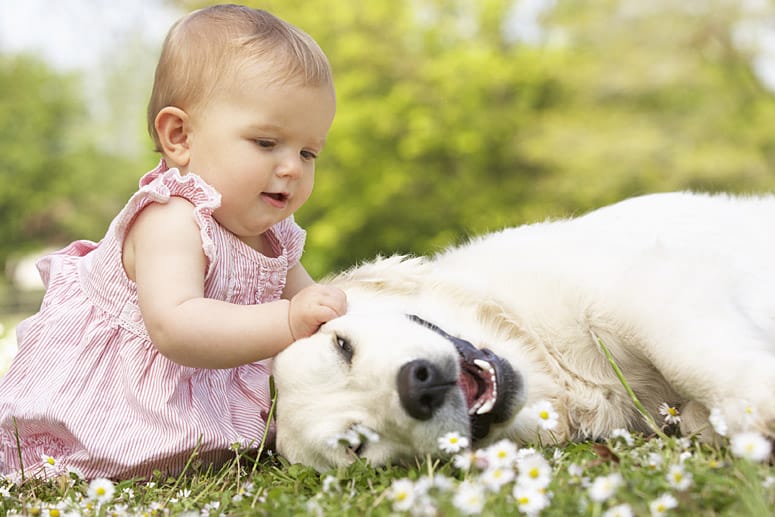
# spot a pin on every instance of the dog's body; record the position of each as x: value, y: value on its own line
x: 679, y: 287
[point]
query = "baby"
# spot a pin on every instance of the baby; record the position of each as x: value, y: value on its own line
x: 151, y: 345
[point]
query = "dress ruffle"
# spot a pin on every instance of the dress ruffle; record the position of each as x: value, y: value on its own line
x: 158, y: 186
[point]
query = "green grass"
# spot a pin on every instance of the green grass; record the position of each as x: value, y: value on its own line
x: 721, y: 485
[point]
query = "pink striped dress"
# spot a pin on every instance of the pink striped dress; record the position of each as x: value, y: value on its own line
x: 89, y: 389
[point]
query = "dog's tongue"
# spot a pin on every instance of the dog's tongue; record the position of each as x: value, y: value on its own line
x: 477, y: 381
x: 469, y: 385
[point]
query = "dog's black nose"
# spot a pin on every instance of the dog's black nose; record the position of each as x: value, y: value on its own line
x: 422, y: 388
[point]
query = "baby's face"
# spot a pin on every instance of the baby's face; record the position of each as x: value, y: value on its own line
x: 256, y: 143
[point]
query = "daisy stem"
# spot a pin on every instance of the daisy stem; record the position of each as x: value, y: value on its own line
x: 638, y: 405
x: 18, y: 449
x: 182, y: 474
x: 269, y: 418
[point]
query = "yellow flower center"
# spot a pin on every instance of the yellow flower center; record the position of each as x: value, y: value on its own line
x: 50, y: 460
x: 533, y: 472
x: 523, y: 500
x: 100, y: 491
x: 544, y: 415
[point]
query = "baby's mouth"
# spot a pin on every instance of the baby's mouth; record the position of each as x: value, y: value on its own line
x: 277, y: 196
x: 276, y: 199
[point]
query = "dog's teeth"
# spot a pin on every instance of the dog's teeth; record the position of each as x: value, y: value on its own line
x: 474, y: 409
x: 484, y: 365
x: 486, y: 407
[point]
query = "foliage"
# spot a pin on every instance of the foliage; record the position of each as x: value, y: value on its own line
x: 449, y: 125
x: 720, y: 484
x: 55, y: 186
x: 450, y: 122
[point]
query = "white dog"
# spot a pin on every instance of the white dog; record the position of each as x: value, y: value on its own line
x: 680, y: 288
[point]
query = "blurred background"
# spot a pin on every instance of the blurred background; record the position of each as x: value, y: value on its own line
x: 455, y: 117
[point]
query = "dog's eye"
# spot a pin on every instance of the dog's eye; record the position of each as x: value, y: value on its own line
x: 345, y: 348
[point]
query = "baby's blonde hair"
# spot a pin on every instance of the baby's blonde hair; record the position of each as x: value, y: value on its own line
x: 203, y: 48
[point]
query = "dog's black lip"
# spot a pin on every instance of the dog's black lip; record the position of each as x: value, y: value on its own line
x: 509, y: 383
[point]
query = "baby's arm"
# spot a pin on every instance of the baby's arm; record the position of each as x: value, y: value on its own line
x: 163, y: 255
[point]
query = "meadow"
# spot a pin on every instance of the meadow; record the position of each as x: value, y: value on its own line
x: 627, y: 474
x: 622, y: 476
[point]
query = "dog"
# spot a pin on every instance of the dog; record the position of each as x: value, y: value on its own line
x: 677, y: 288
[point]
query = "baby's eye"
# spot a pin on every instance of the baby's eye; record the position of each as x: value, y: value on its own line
x: 266, y: 144
x: 308, y: 155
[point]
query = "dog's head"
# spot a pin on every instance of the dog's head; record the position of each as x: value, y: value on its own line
x: 386, y: 387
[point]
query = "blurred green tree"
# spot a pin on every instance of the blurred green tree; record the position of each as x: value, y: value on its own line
x: 54, y: 187
x: 449, y: 124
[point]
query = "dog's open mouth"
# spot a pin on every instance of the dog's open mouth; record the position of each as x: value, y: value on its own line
x: 480, y: 386
x: 488, y: 382
x: 489, y: 385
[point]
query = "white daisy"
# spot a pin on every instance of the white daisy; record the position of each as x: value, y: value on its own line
x: 469, y: 498
x: 750, y: 415
x: 671, y: 413
x: 452, y: 442
x: 575, y: 470
x: 624, y: 434
x: 622, y: 510
x: 496, y: 476
x: 679, y: 478
x: 49, y: 462
x: 330, y: 484
x: 443, y: 483
x: 751, y: 445
x: 544, y: 414
x: 662, y: 504
x: 348, y: 438
x: 501, y: 453
x: 313, y: 508
x: 603, y: 487
x: 718, y: 422
x: 480, y: 459
x: 366, y: 434
x: 654, y: 460
x: 530, y: 500
x: 525, y: 451
x: 101, y: 490
x: 402, y: 494
x: 463, y: 460
x: 534, y: 471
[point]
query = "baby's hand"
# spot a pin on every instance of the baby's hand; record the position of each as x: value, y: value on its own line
x: 313, y: 306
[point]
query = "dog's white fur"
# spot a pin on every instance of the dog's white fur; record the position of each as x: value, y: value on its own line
x: 679, y: 287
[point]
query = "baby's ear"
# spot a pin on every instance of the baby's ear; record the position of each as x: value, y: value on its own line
x: 172, y: 126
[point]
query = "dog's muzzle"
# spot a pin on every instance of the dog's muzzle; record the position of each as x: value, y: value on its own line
x: 488, y: 382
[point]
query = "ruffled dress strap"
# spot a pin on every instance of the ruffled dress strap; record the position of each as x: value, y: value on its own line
x: 158, y: 186
x: 291, y: 237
